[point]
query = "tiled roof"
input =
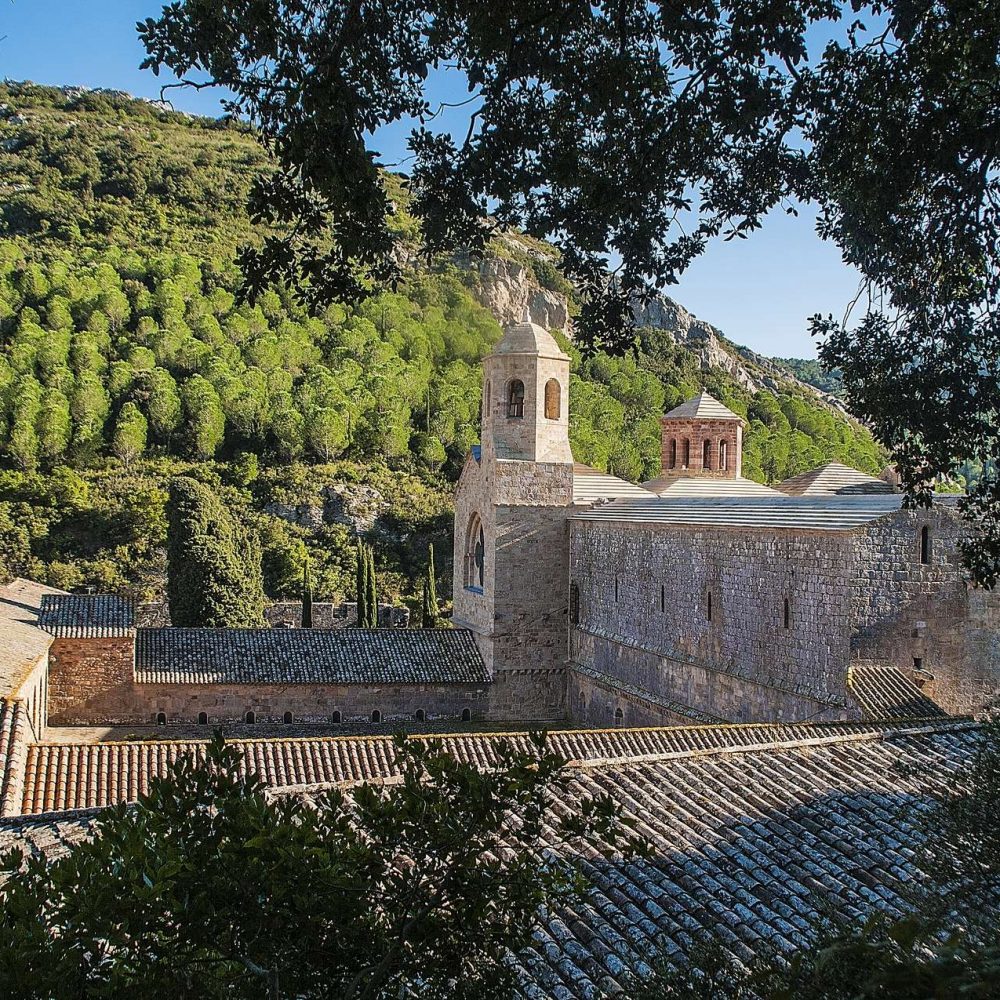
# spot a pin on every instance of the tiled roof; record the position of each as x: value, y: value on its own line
x: 86, y: 615
x: 706, y: 486
x: 22, y: 642
x: 80, y: 776
x: 307, y: 656
x: 528, y: 338
x: 884, y: 692
x: 705, y: 406
x: 779, y: 511
x: 591, y: 485
x: 833, y: 479
x: 747, y: 845
x: 14, y: 735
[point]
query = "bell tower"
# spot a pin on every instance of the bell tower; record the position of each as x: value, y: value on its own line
x: 511, y: 555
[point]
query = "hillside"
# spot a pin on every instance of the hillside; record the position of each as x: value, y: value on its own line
x: 127, y: 354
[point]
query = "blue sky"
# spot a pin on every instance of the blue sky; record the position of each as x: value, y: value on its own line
x: 759, y: 292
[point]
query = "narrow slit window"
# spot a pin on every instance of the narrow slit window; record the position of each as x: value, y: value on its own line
x: 616, y: 590
x: 708, y: 606
x: 925, y: 545
x: 787, y: 614
x: 673, y: 453
x: 663, y: 598
x: 574, y: 603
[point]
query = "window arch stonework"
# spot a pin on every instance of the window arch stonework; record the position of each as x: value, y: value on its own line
x: 474, y: 558
x: 553, y: 399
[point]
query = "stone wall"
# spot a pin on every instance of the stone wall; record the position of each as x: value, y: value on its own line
x: 644, y: 596
x: 89, y: 678
x: 925, y: 618
x: 33, y: 692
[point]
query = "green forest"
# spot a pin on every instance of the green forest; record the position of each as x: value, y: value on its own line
x: 128, y: 356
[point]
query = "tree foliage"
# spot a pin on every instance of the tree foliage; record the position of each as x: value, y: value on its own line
x: 211, y: 887
x: 214, y: 575
x: 637, y: 133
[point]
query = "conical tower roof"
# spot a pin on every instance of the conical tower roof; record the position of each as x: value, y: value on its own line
x: 705, y: 407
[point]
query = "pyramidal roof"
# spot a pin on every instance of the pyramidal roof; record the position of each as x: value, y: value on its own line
x: 705, y: 406
x: 833, y: 479
x: 528, y: 338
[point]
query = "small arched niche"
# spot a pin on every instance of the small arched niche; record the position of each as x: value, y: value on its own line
x: 553, y: 399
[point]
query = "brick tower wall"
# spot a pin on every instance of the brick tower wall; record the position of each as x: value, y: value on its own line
x: 675, y: 432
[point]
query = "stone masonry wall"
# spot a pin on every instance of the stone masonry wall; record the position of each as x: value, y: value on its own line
x: 89, y: 677
x: 644, y: 589
x: 926, y: 619
x: 307, y: 702
x: 33, y: 692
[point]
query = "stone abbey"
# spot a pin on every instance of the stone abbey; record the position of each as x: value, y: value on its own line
x: 699, y: 596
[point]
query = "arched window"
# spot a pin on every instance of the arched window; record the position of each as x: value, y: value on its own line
x: 250, y: 717
x: 723, y: 456
x: 583, y: 704
x: 787, y: 614
x: 203, y: 718
x: 467, y: 715
x: 672, y: 461
x: 420, y: 715
x: 574, y: 603
x: 286, y: 718
x: 515, y: 398
x: 335, y: 718
x: 619, y: 716
x: 553, y: 397
x: 706, y: 455
x: 925, y: 545
x: 475, y: 554
x: 376, y: 716
x: 686, y: 453
x: 161, y: 718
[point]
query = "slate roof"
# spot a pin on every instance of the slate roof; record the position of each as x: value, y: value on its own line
x: 833, y: 479
x: 87, y: 616
x: 307, y: 656
x: 63, y: 776
x: 22, y: 642
x: 706, y: 486
x: 884, y: 692
x: 591, y: 485
x: 705, y: 406
x: 748, y: 845
x: 779, y: 511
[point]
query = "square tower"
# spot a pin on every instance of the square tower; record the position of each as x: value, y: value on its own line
x: 701, y: 438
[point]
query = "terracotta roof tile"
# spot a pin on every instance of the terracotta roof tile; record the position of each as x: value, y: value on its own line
x: 748, y: 843
x: 15, y: 733
x: 307, y: 656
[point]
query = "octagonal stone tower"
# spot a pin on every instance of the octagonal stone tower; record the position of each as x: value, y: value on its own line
x: 511, y: 561
x: 702, y: 438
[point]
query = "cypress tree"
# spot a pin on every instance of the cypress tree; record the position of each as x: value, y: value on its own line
x: 214, y: 576
x: 372, y: 593
x: 361, y: 573
x: 307, y: 596
x: 431, y: 612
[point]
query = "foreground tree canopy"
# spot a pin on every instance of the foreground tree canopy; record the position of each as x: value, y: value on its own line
x: 635, y: 133
x: 209, y: 887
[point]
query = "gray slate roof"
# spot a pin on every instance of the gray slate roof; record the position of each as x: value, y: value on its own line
x: 804, y: 513
x: 748, y: 844
x: 591, y: 485
x: 884, y: 692
x: 87, y: 616
x: 833, y: 479
x: 307, y: 656
x: 704, y: 406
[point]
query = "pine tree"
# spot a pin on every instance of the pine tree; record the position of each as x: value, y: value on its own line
x: 307, y: 596
x: 214, y: 576
x: 431, y: 612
